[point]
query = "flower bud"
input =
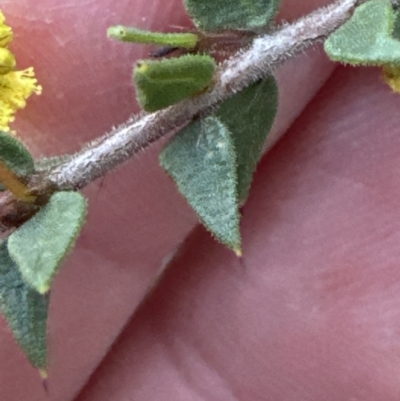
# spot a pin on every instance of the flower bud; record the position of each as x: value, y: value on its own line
x: 7, y: 61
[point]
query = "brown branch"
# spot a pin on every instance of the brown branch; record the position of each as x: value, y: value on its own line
x: 262, y: 57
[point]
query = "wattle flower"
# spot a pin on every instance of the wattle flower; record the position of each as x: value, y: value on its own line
x: 15, y: 86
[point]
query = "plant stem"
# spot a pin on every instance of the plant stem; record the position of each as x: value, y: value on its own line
x: 262, y: 57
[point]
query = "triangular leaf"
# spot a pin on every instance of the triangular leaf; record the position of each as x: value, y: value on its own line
x: 366, y: 38
x: 24, y: 309
x: 212, y: 15
x: 201, y: 160
x: 161, y: 83
x: 15, y: 156
x: 39, y: 246
x: 396, y: 26
x: 249, y: 116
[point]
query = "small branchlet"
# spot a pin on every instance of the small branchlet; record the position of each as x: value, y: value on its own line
x: 263, y: 56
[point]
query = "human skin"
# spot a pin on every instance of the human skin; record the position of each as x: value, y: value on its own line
x: 311, y: 312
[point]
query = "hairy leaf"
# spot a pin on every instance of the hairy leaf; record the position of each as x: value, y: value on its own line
x: 212, y: 15
x: 202, y: 162
x: 249, y: 116
x: 15, y: 156
x: 185, y: 40
x: 396, y: 27
x: 161, y: 83
x: 366, y: 38
x: 39, y: 245
x: 24, y: 309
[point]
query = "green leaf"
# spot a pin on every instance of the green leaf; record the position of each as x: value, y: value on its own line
x: 396, y: 26
x: 201, y: 160
x: 366, y: 38
x: 249, y: 116
x: 184, y: 40
x: 212, y: 15
x: 162, y: 83
x: 24, y: 309
x: 39, y: 246
x: 15, y: 156
x: 212, y: 161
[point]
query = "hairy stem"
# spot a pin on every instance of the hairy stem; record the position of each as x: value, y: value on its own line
x: 263, y: 56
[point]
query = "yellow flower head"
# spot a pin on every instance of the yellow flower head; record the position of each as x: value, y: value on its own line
x: 15, y: 86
